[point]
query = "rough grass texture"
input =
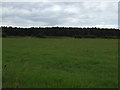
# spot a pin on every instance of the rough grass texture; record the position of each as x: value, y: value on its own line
x: 60, y: 63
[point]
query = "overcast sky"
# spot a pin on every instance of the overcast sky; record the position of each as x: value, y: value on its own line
x: 83, y: 14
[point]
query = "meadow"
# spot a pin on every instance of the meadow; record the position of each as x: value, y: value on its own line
x: 59, y: 63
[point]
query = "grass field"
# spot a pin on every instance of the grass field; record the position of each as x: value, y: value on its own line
x: 60, y: 63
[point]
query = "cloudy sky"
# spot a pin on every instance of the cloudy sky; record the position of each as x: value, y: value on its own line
x: 82, y: 14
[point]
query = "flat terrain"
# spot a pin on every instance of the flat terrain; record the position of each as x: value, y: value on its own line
x: 60, y: 63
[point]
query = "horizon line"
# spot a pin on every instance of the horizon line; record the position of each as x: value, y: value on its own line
x: 61, y: 26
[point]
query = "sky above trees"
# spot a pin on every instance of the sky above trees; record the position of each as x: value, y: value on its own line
x: 82, y: 14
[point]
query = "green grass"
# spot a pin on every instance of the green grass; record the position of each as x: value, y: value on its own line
x: 60, y: 63
x: 0, y: 62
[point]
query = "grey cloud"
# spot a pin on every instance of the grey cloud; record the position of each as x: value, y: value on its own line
x: 59, y: 13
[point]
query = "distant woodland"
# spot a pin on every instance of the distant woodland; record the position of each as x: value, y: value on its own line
x: 76, y: 32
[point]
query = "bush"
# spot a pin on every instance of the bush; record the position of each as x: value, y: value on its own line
x: 85, y: 36
x: 77, y: 36
x: 111, y: 37
x: 4, y: 35
x: 89, y: 36
x: 40, y: 35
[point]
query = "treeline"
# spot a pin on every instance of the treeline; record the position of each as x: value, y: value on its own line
x: 61, y: 31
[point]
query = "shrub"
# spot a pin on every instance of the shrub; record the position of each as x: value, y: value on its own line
x: 111, y: 37
x: 40, y: 35
x: 4, y: 35
x: 77, y: 36
x: 89, y: 36
x: 85, y: 36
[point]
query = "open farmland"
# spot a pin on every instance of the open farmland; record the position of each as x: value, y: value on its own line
x: 60, y: 63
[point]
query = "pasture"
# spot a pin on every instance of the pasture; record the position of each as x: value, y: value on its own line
x: 59, y: 63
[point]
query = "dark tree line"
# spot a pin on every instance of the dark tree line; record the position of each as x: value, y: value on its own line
x: 61, y: 31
